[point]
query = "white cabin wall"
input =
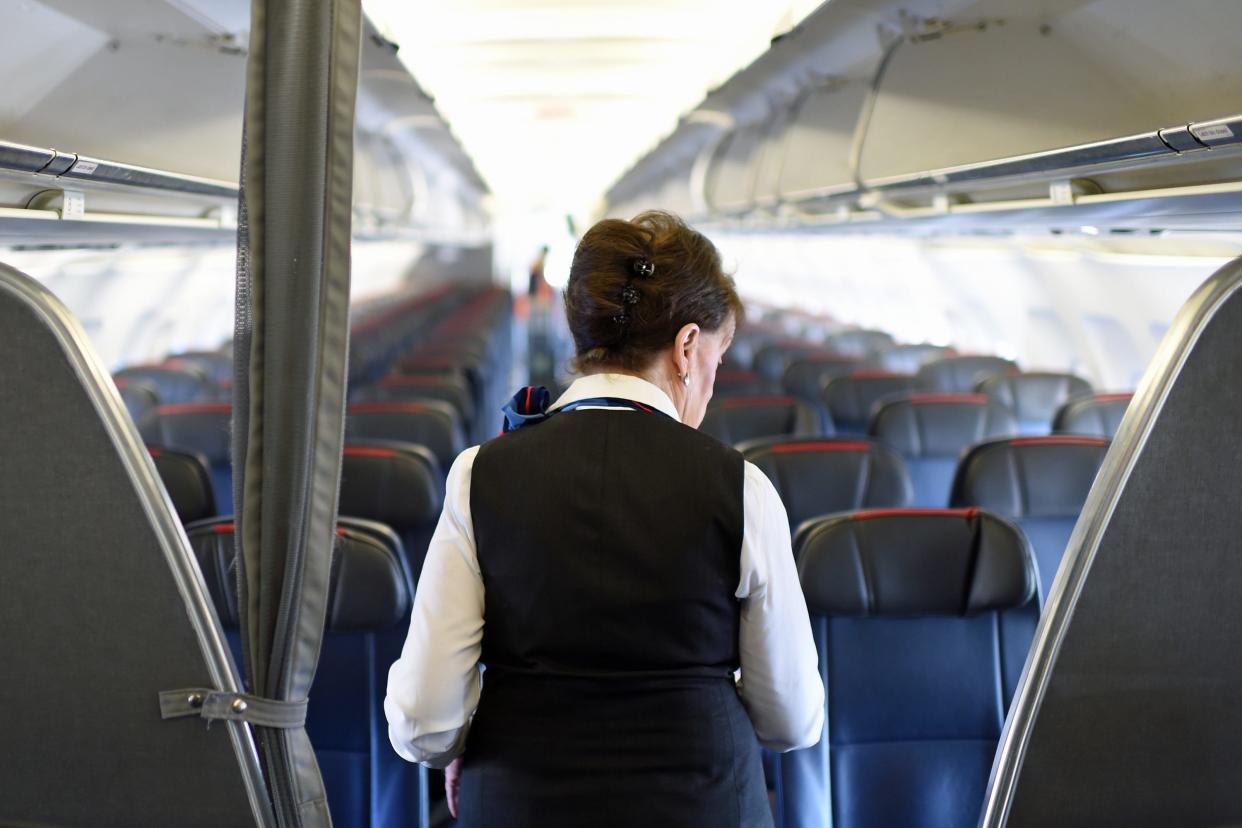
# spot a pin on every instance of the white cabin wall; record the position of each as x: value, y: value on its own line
x: 1092, y: 306
x: 140, y: 304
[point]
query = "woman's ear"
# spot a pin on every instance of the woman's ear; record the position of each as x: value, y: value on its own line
x: 687, y: 343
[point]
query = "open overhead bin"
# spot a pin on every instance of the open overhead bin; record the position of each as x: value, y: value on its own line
x: 135, y: 129
x: 1041, y: 112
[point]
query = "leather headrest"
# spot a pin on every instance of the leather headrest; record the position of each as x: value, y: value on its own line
x: 1034, y: 396
x: 202, y: 428
x: 736, y: 419
x: 187, y: 482
x: 817, y: 476
x: 1099, y: 415
x: 1028, y: 477
x: 854, y: 397
x: 399, y: 484
x: 174, y: 384
x: 428, y: 423
x: 939, y: 425
x: 903, y: 563
x: 368, y: 589
x: 962, y: 373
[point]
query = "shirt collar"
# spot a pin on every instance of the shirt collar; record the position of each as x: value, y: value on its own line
x: 624, y: 386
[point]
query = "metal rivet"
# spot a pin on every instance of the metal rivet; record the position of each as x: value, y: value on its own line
x: 195, y: 700
x: 239, y: 705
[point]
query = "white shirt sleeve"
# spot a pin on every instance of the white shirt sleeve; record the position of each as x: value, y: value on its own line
x: 780, y: 685
x: 433, y: 688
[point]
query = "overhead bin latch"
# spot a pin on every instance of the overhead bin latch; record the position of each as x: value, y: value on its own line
x: 70, y: 204
x: 1068, y: 190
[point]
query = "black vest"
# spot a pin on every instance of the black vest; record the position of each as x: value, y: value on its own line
x: 609, y: 544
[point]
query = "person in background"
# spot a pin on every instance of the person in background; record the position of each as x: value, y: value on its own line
x: 612, y: 568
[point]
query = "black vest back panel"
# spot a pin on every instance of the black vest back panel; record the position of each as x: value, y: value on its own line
x: 609, y: 544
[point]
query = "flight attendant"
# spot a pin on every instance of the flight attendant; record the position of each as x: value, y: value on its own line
x: 602, y: 571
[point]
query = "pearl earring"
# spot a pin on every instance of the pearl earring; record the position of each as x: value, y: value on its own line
x: 685, y: 379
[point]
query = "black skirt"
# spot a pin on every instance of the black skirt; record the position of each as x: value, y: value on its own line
x: 554, y: 751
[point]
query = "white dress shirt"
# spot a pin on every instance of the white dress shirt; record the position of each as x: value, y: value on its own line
x: 433, y: 688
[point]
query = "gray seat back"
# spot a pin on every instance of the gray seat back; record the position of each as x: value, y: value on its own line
x: 1127, y: 713
x: 102, y: 606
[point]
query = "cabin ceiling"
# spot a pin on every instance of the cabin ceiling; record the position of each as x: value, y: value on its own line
x: 554, y: 98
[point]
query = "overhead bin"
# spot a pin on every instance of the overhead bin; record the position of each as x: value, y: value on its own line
x: 100, y: 146
x: 969, y: 113
x: 817, y: 151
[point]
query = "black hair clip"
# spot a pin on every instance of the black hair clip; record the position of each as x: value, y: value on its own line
x: 629, y: 295
x: 621, y: 318
x: 642, y: 267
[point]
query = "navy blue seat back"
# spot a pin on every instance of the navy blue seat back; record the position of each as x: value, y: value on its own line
x: 1040, y: 483
x: 930, y: 431
x: 187, y: 480
x: 736, y: 419
x: 446, y: 388
x: 370, y: 598
x: 434, y: 425
x: 817, y: 476
x: 174, y: 385
x: 806, y: 375
x: 140, y: 398
x: 216, y: 366
x: 851, y: 400
x: 1034, y: 398
x: 202, y: 429
x: 961, y: 373
x: 860, y: 343
x: 734, y: 383
x: 1098, y: 415
x: 399, y: 485
x: 772, y: 359
x: 922, y: 621
x: 908, y: 359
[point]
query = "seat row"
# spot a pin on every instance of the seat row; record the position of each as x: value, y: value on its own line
x: 928, y: 431
x: 849, y: 390
x: 403, y: 431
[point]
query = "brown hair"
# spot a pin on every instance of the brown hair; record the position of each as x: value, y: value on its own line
x: 686, y: 284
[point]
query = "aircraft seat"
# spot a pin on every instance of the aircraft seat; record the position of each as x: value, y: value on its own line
x: 806, y: 375
x: 772, y: 359
x: 203, y: 429
x: 417, y: 387
x: 908, y: 359
x: 851, y: 399
x: 860, y: 343
x: 930, y: 431
x: 1098, y: 415
x: 1040, y: 483
x: 174, y: 384
x: 961, y: 374
x: 429, y: 423
x: 734, y: 420
x: 816, y: 476
x: 399, y: 485
x: 1034, y: 397
x: 101, y: 605
x: 140, y: 398
x: 187, y: 480
x: 922, y: 620
x: 217, y: 366
x: 369, y: 595
x: 737, y: 383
